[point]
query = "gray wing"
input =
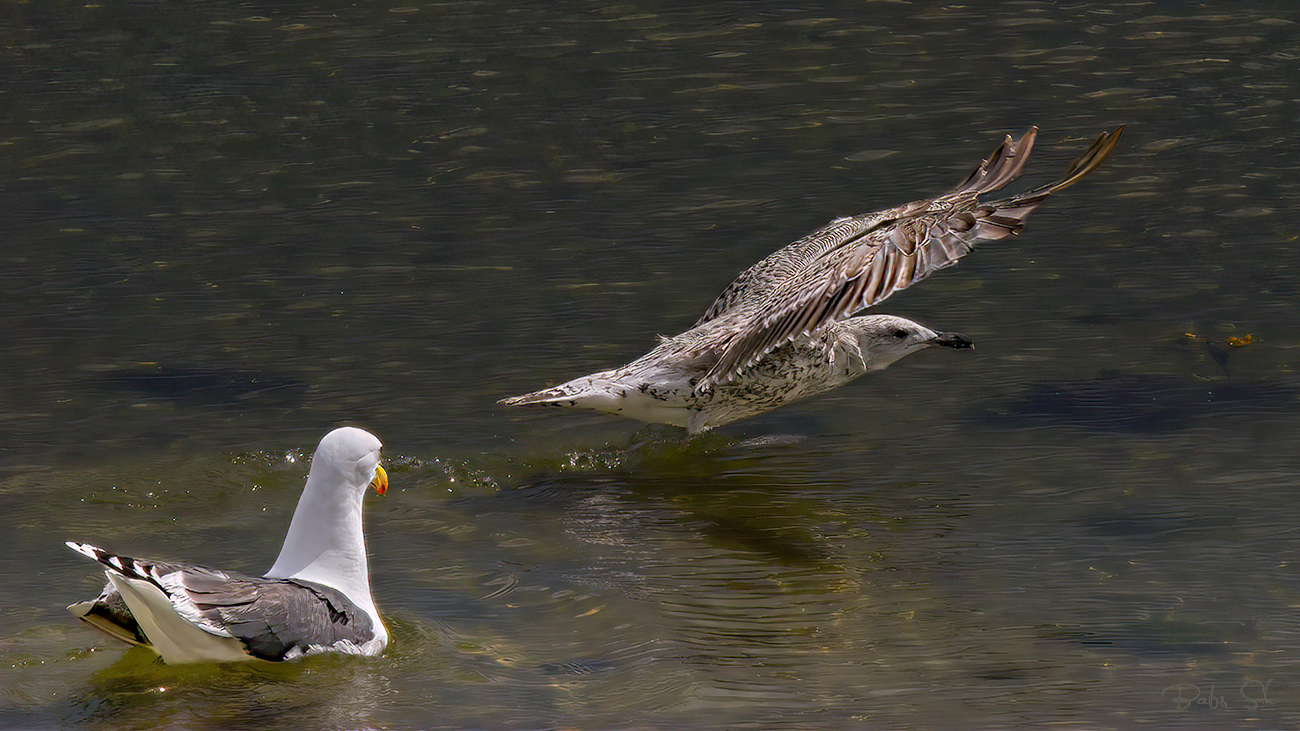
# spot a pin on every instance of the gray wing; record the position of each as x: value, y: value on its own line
x: 856, y: 262
x: 275, y: 619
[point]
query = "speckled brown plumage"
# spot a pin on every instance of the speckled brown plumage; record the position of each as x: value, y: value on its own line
x: 782, y: 330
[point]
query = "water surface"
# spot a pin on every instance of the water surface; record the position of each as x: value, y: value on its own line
x: 232, y: 226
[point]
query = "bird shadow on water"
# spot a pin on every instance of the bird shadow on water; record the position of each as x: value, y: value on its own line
x: 1133, y: 403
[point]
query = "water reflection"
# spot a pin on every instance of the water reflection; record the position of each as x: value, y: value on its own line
x: 401, y: 213
x: 703, y: 585
x: 136, y: 690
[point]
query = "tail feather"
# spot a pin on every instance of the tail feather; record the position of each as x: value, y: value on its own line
x: 596, y: 391
x: 545, y: 397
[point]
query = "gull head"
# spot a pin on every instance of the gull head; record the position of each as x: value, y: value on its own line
x: 884, y: 339
x: 349, y: 457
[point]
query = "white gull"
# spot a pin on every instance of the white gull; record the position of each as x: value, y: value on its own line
x: 316, y: 598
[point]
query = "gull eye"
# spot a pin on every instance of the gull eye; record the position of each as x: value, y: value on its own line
x: 900, y: 334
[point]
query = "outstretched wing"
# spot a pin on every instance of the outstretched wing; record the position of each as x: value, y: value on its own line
x: 856, y: 262
x: 757, y: 282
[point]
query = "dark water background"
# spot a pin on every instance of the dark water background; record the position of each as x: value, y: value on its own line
x: 230, y: 226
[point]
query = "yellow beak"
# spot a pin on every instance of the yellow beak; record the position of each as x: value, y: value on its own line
x: 380, y: 483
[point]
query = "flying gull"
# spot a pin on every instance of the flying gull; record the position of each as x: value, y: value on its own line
x: 784, y: 331
x: 316, y: 598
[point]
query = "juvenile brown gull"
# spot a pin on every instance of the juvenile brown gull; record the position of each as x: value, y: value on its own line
x: 783, y: 331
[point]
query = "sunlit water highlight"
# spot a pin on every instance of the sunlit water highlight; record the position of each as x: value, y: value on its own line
x: 231, y: 227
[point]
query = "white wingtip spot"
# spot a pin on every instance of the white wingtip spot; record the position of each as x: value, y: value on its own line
x: 84, y: 549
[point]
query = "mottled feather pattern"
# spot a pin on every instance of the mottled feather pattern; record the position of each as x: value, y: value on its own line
x: 782, y: 330
x: 789, y: 261
x: 858, y: 266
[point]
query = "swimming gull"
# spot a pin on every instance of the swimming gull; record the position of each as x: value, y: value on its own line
x: 316, y: 598
x: 783, y: 331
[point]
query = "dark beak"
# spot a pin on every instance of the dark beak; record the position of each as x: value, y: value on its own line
x: 954, y: 340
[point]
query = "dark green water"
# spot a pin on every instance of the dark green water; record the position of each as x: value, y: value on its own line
x: 229, y: 227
